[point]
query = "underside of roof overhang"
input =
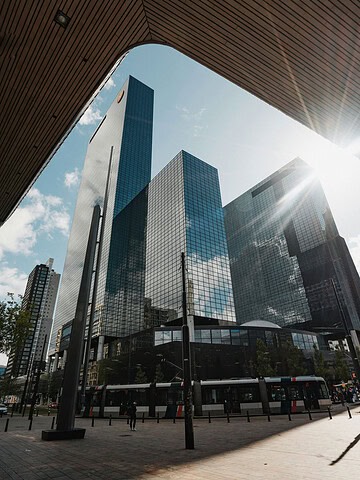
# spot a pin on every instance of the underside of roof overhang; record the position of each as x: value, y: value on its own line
x: 298, y: 56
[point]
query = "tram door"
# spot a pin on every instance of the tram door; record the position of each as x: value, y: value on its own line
x: 285, y: 396
x: 231, y: 400
x: 311, y: 400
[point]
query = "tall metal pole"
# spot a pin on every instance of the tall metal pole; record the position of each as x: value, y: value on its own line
x: 66, y: 417
x: 37, y: 381
x: 189, y: 430
x: 350, y: 343
x: 95, y: 286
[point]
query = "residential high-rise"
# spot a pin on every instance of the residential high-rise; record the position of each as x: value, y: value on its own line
x: 288, y: 263
x: 123, y: 141
x: 39, y: 299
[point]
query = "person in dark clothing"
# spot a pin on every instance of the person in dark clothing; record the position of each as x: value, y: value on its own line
x: 132, y: 415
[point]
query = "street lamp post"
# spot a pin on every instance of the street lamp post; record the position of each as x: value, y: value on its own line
x: 189, y: 430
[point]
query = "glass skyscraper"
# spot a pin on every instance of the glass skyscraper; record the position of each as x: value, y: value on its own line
x: 178, y: 211
x: 288, y: 262
x: 185, y: 215
x: 123, y: 142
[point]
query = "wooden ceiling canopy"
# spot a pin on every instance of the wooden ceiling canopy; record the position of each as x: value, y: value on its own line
x: 300, y: 56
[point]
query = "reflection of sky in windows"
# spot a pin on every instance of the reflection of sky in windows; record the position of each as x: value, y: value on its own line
x: 267, y: 281
x: 185, y: 215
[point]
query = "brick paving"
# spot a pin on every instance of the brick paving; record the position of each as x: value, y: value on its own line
x: 300, y: 449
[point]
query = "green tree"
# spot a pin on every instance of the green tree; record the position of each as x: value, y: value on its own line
x: 320, y: 367
x: 294, y: 360
x: 14, y: 324
x: 159, y: 376
x: 341, y: 370
x: 263, y: 365
x: 9, y: 386
x: 140, y: 376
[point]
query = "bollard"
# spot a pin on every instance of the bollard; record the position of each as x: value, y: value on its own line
x: 269, y: 419
x: 143, y: 417
x: 30, y: 424
x: 12, y: 410
x: 157, y: 418
x: 48, y: 412
x: 227, y: 416
x: 209, y: 418
x: 92, y: 420
x: 174, y: 420
x: 127, y: 421
x: 23, y: 412
x: 37, y: 412
x: 6, y: 425
x: 309, y: 413
x: 248, y: 416
x: 330, y: 416
x: 52, y: 423
x: 110, y: 418
x: 348, y: 409
x: 289, y: 416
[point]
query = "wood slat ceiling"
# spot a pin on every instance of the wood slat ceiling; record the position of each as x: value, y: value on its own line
x: 300, y: 56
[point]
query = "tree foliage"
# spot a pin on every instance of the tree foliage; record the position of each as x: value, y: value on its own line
x: 14, y: 324
x: 263, y: 361
x: 294, y: 360
x: 341, y: 370
x: 159, y: 376
x: 320, y: 367
x: 140, y: 376
x: 9, y: 386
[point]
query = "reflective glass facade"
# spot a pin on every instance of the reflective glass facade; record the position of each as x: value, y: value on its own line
x: 124, y: 137
x: 242, y: 336
x: 285, y: 251
x: 185, y: 215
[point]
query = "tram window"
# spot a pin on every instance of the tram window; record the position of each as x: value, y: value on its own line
x: 249, y: 393
x: 295, y: 392
x: 323, y: 391
x: 112, y: 398
x: 213, y: 395
x: 276, y: 392
x: 161, y: 396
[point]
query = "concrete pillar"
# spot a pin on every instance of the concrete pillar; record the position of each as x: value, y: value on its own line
x: 355, y: 339
x: 100, y: 349
x: 56, y: 362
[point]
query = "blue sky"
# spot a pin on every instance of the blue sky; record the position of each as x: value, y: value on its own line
x: 197, y: 111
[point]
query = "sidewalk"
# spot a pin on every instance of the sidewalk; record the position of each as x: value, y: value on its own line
x: 281, y: 449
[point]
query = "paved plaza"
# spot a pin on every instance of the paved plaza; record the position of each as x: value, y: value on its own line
x: 281, y: 449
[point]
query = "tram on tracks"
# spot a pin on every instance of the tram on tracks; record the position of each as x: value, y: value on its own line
x: 273, y: 395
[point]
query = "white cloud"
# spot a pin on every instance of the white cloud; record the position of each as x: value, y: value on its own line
x: 91, y: 116
x: 195, y: 118
x: 187, y: 115
x: 109, y: 84
x: 12, y: 281
x: 38, y: 214
x: 72, y: 179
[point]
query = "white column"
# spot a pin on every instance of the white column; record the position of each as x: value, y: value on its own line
x: 100, y: 349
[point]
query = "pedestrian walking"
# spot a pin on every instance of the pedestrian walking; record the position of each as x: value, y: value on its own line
x: 132, y: 415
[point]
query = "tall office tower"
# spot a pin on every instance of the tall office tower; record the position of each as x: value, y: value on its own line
x: 121, y: 144
x: 185, y: 215
x: 39, y: 299
x: 288, y: 263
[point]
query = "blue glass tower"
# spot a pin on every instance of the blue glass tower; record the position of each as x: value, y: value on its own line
x: 123, y: 140
x: 185, y: 215
x: 288, y: 262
